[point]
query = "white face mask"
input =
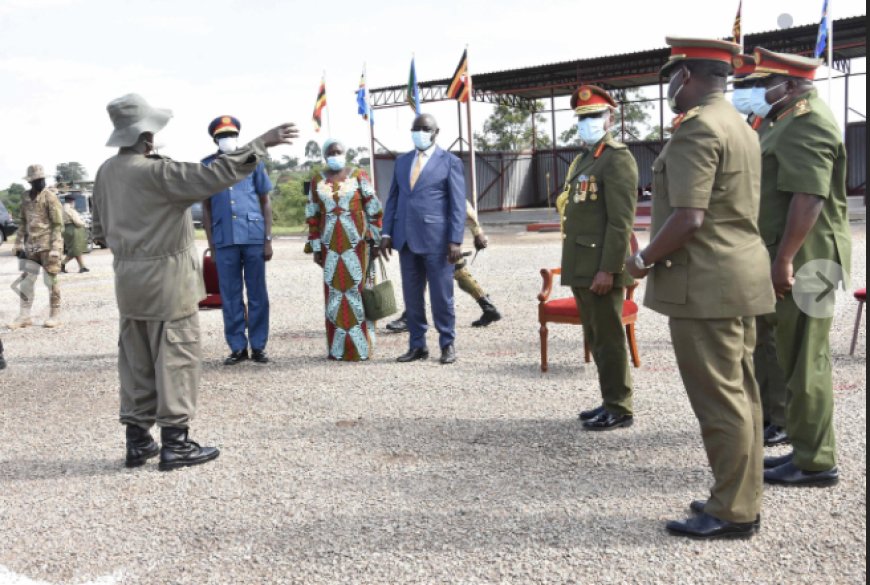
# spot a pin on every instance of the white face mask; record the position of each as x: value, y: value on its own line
x: 228, y: 144
x: 742, y: 100
x: 591, y: 130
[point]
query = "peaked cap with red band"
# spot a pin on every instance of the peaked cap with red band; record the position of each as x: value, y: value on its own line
x: 768, y: 63
x: 744, y: 65
x: 683, y: 50
x: 223, y: 124
x: 591, y: 99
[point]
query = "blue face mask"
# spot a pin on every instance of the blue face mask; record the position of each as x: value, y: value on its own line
x: 742, y: 100
x: 422, y: 140
x: 335, y: 163
x: 591, y: 130
x: 758, y: 98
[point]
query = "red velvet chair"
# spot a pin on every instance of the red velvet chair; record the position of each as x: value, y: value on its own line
x: 212, y: 288
x: 564, y: 310
x: 861, y: 296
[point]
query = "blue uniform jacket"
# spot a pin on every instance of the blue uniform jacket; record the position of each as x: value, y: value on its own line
x: 432, y: 214
x: 236, y: 215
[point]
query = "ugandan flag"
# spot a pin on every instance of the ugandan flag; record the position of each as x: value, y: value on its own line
x: 736, y: 29
x: 460, y: 86
x: 317, y: 118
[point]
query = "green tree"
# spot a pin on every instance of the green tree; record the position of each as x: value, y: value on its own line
x: 510, y: 129
x: 11, y: 198
x: 288, y: 202
x: 70, y: 172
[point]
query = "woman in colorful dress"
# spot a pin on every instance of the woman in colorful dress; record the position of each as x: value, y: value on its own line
x: 344, y: 230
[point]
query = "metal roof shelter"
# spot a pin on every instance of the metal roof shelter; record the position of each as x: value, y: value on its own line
x: 523, y: 87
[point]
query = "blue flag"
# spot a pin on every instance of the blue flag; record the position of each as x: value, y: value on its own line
x: 822, y: 38
x: 363, y: 108
x: 413, y: 89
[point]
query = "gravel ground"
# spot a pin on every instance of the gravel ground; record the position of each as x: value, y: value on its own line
x: 389, y: 473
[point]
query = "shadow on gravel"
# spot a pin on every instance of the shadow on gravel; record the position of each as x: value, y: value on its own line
x: 14, y: 470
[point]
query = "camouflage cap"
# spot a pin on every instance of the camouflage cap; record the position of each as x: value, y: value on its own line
x: 34, y: 172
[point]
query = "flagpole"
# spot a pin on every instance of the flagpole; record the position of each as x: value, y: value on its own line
x: 328, y: 122
x: 830, y: 52
x: 471, y: 133
x: 371, y: 121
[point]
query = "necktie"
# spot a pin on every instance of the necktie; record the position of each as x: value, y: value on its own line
x: 415, y: 172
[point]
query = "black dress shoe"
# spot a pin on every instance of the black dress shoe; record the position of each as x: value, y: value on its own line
x: 775, y: 435
x: 607, y: 421
x: 400, y: 325
x: 593, y: 413
x: 179, y: 451
x: 771, y: 462
x: 448, y: 355
x: 140, y: 446
x: 259, y: 356
x: 420, y: 353
x: 236, y: 357
x: 83, y: 269
x: 706, y: 527
x: 698, y: 506
x: 791, y: 475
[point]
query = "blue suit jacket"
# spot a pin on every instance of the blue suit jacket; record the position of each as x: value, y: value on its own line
x: 432, y: 214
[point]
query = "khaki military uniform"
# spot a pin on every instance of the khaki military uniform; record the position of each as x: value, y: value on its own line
x: 40, y: 237
x: 598, y: 206
x: 461, y: 273
x: 768, y: 372
x: 142, y: 211
x: 802, y: 152
x: 712, y: 289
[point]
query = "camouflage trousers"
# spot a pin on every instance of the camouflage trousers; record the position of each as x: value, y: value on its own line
x: 462, y: 276
x: 25, y: 285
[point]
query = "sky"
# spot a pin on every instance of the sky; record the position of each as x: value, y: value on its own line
x: 62, y: 61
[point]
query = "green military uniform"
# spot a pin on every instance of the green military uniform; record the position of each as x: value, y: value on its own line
x: 802, y: 152
x: 40, y: 237
x: 712, y: 289
x: 142, y: 211
x: 461, y: 273
x: 598, y: 207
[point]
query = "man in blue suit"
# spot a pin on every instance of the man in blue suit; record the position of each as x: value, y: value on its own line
x: 424, y: 220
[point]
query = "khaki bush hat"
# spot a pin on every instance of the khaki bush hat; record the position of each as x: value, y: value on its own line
x: 34, y: 172
x: 131, y: 115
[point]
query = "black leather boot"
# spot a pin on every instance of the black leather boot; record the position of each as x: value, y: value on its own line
x: 140, y: 446
x: 179, y: 451
x: 2, y: 359
x: 490, y: 313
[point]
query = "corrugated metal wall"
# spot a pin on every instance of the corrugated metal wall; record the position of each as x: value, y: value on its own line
x: 507, y: 180
x: 856, y: 147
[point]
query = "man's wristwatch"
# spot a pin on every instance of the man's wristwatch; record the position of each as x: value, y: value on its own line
x: 639, y: 262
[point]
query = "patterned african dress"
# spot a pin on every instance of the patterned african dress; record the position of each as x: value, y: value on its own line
x: 341, y: 218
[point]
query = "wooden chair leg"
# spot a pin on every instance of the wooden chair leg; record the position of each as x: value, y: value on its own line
x: 544, y: 334
x: 632, y: 344
x: 857, y: 327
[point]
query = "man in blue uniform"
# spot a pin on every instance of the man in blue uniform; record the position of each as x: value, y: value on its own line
x: 238, y: 224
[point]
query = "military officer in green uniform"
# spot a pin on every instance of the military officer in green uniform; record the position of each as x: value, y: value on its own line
x: 771, y: 380
x: 142, y: 211
x: 804, y: 217
x: 708, y: 271
x: 597, y: 207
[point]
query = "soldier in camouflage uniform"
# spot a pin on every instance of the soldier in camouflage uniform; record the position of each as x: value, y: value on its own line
x: 463, y: 277
x: 40, y: 244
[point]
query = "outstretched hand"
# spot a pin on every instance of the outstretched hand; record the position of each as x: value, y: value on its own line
x: 283, y: 134
x: 386, y: 248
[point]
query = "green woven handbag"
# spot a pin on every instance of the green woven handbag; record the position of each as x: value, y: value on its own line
x: 379, y: 298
